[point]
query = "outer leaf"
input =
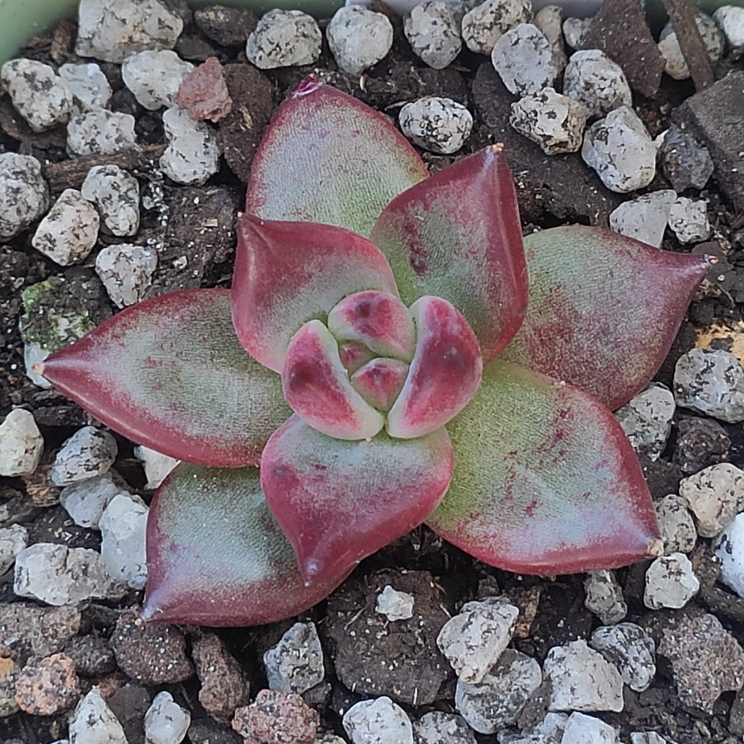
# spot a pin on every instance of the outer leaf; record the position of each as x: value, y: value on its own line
x: 545, y: 480
x: 603, y: 309
x: 170, y: 373
x: 457, y: 235
x: 216, y: 556
x: 338, y: 501
x: 287, y: 273
x: 327, y: 157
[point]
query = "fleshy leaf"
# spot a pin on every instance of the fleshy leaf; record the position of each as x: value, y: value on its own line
x: 339, y: 501
x: 378, y: 320
x: 327, y: 157
x: 216, y: 555
x: 318, y: 389
x: 287, y: 273
x: 170, y: 373
x: 603, y: 309
x: 457, y: 235
x: 445, y: 371
x: 353, y: 355
x: 545, y: 480
x: 380, y: 381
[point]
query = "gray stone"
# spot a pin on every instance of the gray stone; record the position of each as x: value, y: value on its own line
x: 89, y: 86
x: 92, y: 722
x: 87, y: 453
x: 675, y: 524
x: 126, y: 271
x: 549, y: 19
x: 647, y: 419
x: 524, y: 60
x: 24, y: 195
x: 192, y: 155
x: 483, y: 25
x: 395, y: 605
x: 378, y: 721
x: 116, y: 194
x: 166, y: 722
x: 631, y: 649
x: 688, y: 219
x: 644, y: 218
x: 670, y: 582
x: 604, y: 597
x: 122, y: 526
x: 674, y: 61
x: 359, y: 38
x: 21, y: 444
x: 433, y: 33
x: 85, y: 500
x: 100, y: 132
x: 729, y: 550
x: 284, y: 38
x: 583, y: 729
x: 685, y: 163
x: 574, y: 31
x: 154, y: 77
x: 13, y: 540
x: 156, y: 464
x: 700, y: 442
x: 295, y: 664
x: 730, y: 19
x: 646, y: 737
x: 440, y: 125
x: 596, y: 82
x: 442, y: 728
x: 713, y: 496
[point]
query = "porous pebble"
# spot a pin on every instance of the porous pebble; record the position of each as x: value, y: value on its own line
x: 85, y: 500
x: 122, y: 526
x: 87, y: 453
x: 497, y: 700
x: 670, y: 582
x: 154, y: 77
x: 730, y: 19
x: 644, y: 218
x: 100, y: 132
x: 93, y: 722
x: 378, y: 721
x: 204, y: 92
x: 359, y: 38
x: 647, y: 419
x: 676, y: 525
x: 68, y: 233
x: 551, y: 120
x: 24, y: 195
x: 710, y: 381
x: 582, y: 679
x: 688, y: 219
x: 8, y: 673
x: 166, y: 722
x: 111, y: 31
x: 439, y: 125
x: 574, y: 31
x: 685, y: 163
x: 284, y: 38
x: 729, y: 550
x: 474, y: 639
x: 156, y: 464
x: 621, y: 151
x: 116, y: 194
x: 674, y: 61
x: 295, y: 664
x: 524, y: 60
x: 38, y: 93
x: 700, y: 442
x: 713, y: 496
x: 59, y: 575
x: 604, y: 597
x: 13, y: 540
x: 436, y: 727
x: 395, y: 605
x: 277, y: 717
x: 646, y: 737
x: 433, y: 33
x: 549, y: 19
x: 483, y: 25
x: 90, y: 88
x: 47, y: 686
x: 596, y: 82
x: 27, y: 630
x: 192, y: 155
x: 583, y: 729
x: 631, y: 649
x: 126, y: 271
x: 21, y: 444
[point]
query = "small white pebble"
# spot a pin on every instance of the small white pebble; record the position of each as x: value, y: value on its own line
x: 166, y: 722
x: 87, y: 453
x: 24, y: 196
x: 688, y: 219
x: 378, y: 721
x: 126, y: 271
x: 359, y: 38
x: 433, y: 33
x: 89, y: 86
x: 192, y: 155
x: 670, y: 582
x: 524, y: 60
x: 100, y: 132
x: 154, y: 77
x: 284, y: 38
x: 21, y: 444
x: 394, y: 605
x: 485, y: 23
x: 439, y: 125
x: 116, y: 194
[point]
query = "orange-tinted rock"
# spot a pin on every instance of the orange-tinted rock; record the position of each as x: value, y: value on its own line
x: 47, y: 686
x: 204, y: 92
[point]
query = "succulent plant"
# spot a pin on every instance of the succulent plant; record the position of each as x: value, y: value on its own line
x: 383, y: 361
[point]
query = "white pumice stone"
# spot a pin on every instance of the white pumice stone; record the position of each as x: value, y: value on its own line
x: 378, y: 721
x: 583, y: 729
x: 116, y: 194
x: 729, y: 550
x: 670, y: 582
x: 646, y: 737
x: 359, y: 38
x: 604, y: 597
x: 87, y: 453
x: 156, y: 464
x: 730, y: 19
x: 166, y: 722
x: 551, y: 120
x: 688, y: 219
x: 13, y: 540
x: 713, y: 496
x: 192, y: 155
x: 85, y: 501
x: 549, y: 19
x: 436, y: 727
x: 122, y: 526
x: 483, y: 25
x: 33, y: 354
x: 24, y: 195
x: 596, y: 82
x: 621, y: 151
x: 100, y: 132
x: 93, y: 722
x: 433, y: 33
x: 524, y: 60
x: 574, y: 31
x: 89, y: 86
x: 154, y: 77
x: 676, y: 525
x: 295, y: 664
x: 126, y: 271
x: 395, y: 605
x: 674, y: 61
x: 111, y: 31
x: 39, y: 95
x: 21, y: 444
x: 644, y: 218
x: 68, y: 233
x: 647, y: 419
x: 632, y: 649
x: 439, y: 125
x: 284, y: 38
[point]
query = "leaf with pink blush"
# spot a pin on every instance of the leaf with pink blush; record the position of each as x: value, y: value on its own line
x: 603, y: 309
x: 545, y: 480
x: 378, y: 320
x: 444, y: 374
x: 339, y: 501
x: 169, y: 373
x: 380, y: 381
x: 457, y: 235
x: 216, y: 555
x: 327, y: 157
x: 353, y: 355
x: 287, y: 273
x: 317, y: 387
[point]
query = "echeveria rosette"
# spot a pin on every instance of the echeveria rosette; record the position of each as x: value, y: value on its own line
x: 531, y: 474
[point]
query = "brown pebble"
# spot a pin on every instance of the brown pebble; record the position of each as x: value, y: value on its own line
x: 47, y: 686
x: 203, y: 92
x: 276, y: 718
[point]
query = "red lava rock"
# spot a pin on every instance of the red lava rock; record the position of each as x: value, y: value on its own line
x: 47, y: 686
x: 204, y: 92
x: 27, y: 630
x: 276, y: 718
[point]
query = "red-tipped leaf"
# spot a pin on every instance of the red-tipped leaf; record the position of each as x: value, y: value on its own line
x: 545, y: 480
x: 380, y: 381
x: 339, y: 501
x: 170, y: 373
x: 603, y: 309
x: 287, y: 273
